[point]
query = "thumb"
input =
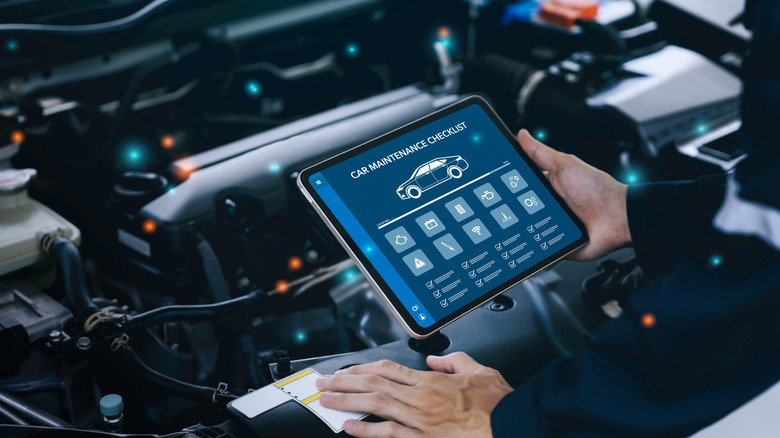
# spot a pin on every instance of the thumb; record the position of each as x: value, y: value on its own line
x: 543, y: 155
x: 454, y: 363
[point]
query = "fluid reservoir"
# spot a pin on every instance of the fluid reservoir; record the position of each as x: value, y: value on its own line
x: 23, y: 221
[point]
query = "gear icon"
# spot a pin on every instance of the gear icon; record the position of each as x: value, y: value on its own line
x: 400, y: 239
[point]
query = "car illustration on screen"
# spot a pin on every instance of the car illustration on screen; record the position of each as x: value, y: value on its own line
x: 431, y: 174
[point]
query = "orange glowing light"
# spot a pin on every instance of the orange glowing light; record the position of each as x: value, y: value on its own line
x: 444, y: 32
x: 167, y: 141
x: 17, y: 136
x: 295, y: 263
x: 183, y: 167
x: 648, y: 320
x: 282, y: 286
x: 149, y: 226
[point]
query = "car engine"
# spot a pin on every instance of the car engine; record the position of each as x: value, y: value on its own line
x: 156, y: 258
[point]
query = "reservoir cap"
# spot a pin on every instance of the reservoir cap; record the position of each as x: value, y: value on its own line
x: 111, y: 405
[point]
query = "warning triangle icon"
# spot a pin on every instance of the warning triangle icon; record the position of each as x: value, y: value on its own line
x: 418, y: 263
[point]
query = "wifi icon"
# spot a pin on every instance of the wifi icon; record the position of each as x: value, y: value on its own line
x: 477, y: 231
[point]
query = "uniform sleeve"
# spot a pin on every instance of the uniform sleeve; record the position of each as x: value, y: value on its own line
x: 665, y: 217
x: 697, y: 361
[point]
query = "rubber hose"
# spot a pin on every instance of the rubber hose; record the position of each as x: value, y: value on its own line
x: 159, y: 380
x: 195, y: 312
x: 68, y: 256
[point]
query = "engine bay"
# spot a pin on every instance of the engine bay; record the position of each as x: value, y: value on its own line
x: 154, y: 245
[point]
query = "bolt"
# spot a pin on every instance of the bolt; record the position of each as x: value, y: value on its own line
x: 83, y: 343
x: 56, y: 336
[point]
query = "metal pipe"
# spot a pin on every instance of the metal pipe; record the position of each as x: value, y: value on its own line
x: 31, y: 413
x: 13, y: 418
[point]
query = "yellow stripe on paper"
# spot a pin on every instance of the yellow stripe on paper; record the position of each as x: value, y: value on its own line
x: 308, y: 400
x: 291, y: 379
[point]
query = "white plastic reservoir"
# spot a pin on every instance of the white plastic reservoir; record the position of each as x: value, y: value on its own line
x: 23, y: 221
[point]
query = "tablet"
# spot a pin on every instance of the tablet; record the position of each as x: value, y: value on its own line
x: 442, y: 214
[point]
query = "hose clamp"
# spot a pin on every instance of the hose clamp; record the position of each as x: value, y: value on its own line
x: 95, y: 319
x: 119, y: 342
x: 222, y: 389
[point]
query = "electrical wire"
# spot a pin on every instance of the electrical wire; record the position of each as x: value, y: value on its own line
x: 87, y: 29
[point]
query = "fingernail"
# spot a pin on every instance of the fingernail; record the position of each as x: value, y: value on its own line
x: 349, y: 426
x: 321, y: 381
x: 340, y: 371
x: 326, y: 397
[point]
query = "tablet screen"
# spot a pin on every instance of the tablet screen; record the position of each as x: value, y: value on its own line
x: 443, y: 214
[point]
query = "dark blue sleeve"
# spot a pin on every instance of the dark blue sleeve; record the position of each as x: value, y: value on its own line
x: 715, y: 344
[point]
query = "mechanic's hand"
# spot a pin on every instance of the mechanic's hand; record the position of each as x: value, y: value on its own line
x: 454, y: 400
x: 595, y: 197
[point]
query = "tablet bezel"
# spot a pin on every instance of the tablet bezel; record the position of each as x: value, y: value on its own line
x: 372, y: 275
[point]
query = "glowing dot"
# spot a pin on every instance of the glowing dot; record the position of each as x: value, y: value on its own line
x: 701, y: 128
x: 17, y: 136
x: 716, y: 260
x: 632, y: 178
x: 476, y: 138
x: 282, y: 286
x: 300, y: 336
x: 295, y: 263
x: 352, y: 50
x: 167, y: 141
x: 348, y: 275
x: 12, y: 44
x: 369, y: 248
x: 184, y: 167
x: 541, y: 134
x: 253, y: 88
x: 447, y: 42
x: 149, y: 226
x: 443, y: 32
x: 275, y: 167
x: 648, y: 320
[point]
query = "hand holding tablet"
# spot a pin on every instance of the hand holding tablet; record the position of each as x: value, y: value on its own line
x: 443, y: 214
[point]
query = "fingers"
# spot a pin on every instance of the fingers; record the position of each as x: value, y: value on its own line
x: 364, y: 429
x: 376, y: 403
x: 543, y: 155
x: 455, y: 363
x: 387, y: 369
x: 365, y: 383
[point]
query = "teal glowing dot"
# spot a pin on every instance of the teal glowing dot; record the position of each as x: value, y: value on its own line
x: 701, y: 128
x: 476, y: 138
x: 12, y: 44
x: 541, y: 134
x: 275, y: 168
x: 352, y: 50
x: 632, y: 178
x: 369, y: 249
x: 716, y: 260
x: 253, y: 88
x: 134, y: 155
x: 447, y: 42
x: 300, y: 336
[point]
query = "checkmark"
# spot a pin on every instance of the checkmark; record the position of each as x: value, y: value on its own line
x: 498, y: 247
x: 429, y: 284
